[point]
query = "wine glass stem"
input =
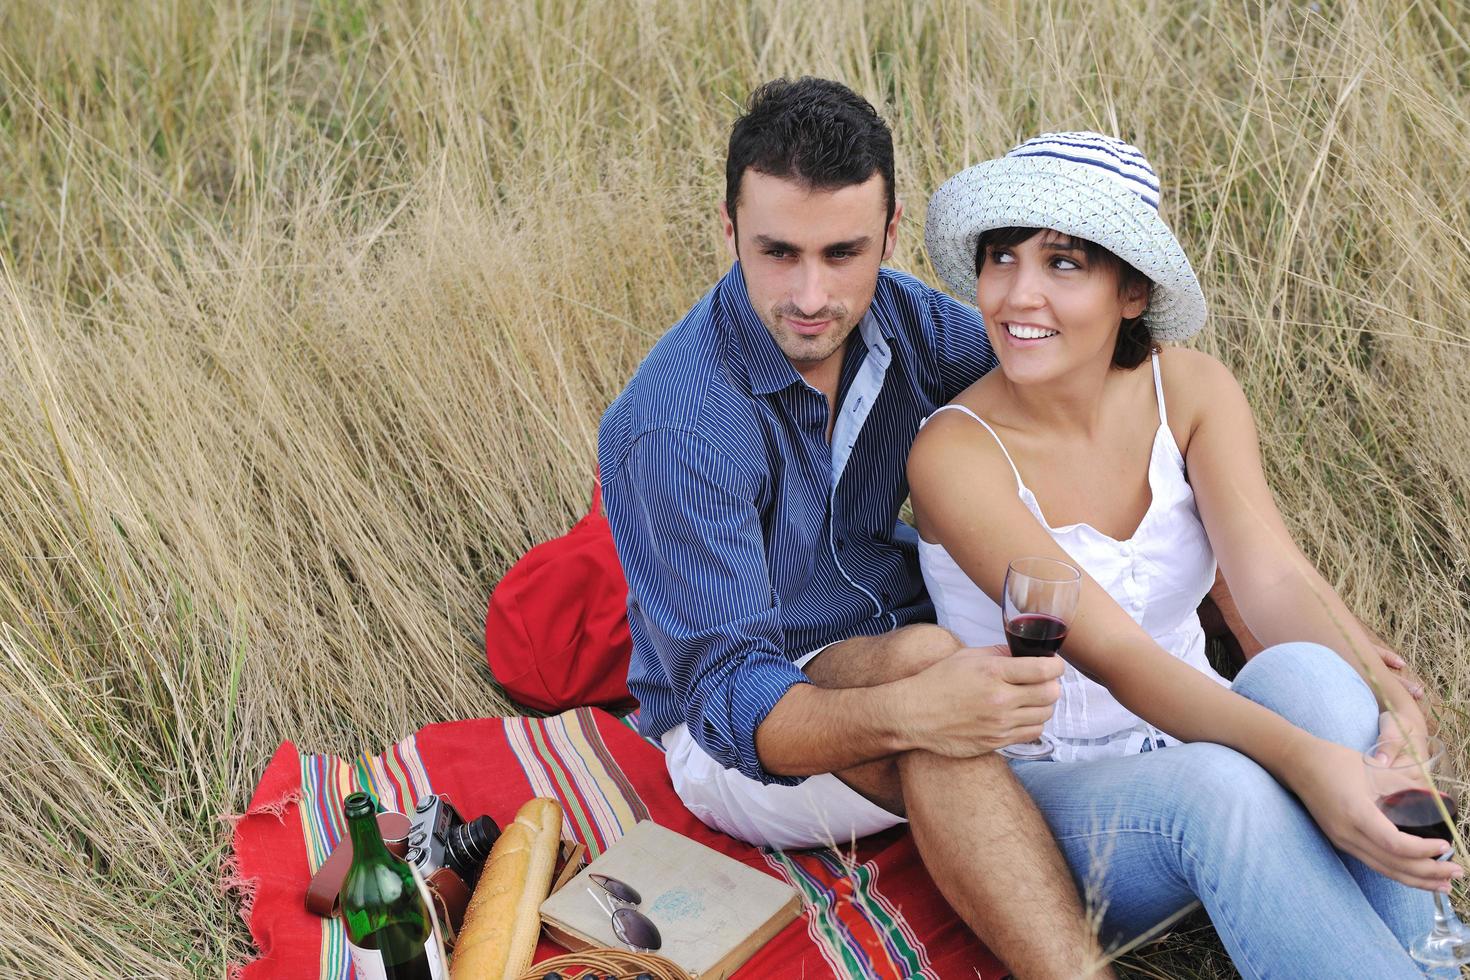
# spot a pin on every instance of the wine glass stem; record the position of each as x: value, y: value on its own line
x: 1441, y: 922
x: 1441, y: 918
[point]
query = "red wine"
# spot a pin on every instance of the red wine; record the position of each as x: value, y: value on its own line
x: 1034, y: 635
x: 1414, y: 812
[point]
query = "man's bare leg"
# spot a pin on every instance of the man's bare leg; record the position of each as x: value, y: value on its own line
x: 983, y: 841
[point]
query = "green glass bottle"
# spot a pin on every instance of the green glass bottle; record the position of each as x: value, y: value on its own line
x: 389, y: 931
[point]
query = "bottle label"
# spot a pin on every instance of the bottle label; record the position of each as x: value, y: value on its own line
x: 437, y: 969
x: 368, y: 963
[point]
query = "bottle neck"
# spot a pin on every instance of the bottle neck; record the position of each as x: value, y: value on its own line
x: 367, y: 839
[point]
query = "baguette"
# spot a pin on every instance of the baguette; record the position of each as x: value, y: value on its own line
x: 504, y: 915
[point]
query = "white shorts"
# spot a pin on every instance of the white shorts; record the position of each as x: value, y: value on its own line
x: 821, y: 811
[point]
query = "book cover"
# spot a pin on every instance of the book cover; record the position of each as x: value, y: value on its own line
x: 712, y: 912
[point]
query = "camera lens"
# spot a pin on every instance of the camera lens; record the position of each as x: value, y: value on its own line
x: 467, y: 845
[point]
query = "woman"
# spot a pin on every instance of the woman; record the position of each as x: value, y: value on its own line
x: 1140, y: 466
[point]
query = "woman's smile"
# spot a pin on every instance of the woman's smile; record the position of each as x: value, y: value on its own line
x: 1027, y: 334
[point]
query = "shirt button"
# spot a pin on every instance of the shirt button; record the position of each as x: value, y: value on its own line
x: 841, y: 543
x: 1138, y: 605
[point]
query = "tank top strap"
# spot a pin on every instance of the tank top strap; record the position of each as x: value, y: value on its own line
x: 960, y: 408
x: 1158, y: 388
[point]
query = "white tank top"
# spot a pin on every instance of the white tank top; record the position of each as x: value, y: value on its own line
x: 1159, y: 576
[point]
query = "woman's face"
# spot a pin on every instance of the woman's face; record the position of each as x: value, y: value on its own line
x: 1049, y: 310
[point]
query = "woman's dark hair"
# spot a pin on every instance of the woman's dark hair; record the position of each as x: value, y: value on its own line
x: 817, y: 131
x: 1134, y: 339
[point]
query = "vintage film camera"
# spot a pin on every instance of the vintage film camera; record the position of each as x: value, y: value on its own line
x: 438, y: 837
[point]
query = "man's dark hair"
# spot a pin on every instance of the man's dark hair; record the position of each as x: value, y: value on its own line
x: 819, y: 132
x: 1135, y: 341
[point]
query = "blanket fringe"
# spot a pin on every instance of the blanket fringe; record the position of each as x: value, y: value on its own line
x: 233, y: 881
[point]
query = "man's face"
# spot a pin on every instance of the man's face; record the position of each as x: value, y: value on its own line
x: 810, y: 259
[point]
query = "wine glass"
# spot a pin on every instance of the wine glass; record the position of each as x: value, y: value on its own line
x: 1040, y: 600
x: 1413, y: 787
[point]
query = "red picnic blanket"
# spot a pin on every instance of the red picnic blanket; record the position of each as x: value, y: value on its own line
x: 874, y: 915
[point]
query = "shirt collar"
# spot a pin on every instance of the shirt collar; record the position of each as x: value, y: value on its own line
x: 767, y: 369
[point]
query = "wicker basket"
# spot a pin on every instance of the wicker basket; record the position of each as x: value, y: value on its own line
x: 607, y: 962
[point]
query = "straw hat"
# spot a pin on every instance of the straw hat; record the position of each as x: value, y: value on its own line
x: 1086, y: 185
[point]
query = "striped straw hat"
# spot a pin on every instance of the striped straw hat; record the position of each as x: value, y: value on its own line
x: 1086, y: 185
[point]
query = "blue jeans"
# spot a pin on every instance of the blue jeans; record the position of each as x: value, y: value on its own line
x: 1148, y: 834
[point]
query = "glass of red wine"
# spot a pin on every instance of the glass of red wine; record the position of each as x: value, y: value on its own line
x: 1416, y: 789
x: 1040, y: 600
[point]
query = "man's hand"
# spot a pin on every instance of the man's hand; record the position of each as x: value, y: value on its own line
x: 977, y: 700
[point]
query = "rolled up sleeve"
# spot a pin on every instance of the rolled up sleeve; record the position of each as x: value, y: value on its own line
x: 687, y: 527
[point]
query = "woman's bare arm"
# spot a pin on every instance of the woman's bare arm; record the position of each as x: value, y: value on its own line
x: 1279, y: 593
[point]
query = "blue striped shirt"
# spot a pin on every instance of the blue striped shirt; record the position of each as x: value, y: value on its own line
x: 746, y: 538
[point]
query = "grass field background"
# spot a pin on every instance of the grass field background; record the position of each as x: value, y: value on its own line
x: 309, y: 309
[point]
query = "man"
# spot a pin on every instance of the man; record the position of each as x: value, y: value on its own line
x: 753, y: 471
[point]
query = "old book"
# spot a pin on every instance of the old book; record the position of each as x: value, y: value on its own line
x: 712, y: 912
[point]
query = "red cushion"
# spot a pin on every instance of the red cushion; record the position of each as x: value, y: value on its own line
x: 556, y: 633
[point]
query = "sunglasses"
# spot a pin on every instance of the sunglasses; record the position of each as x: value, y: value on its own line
x: 633, y: 929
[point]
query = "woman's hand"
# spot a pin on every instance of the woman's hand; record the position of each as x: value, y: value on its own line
x: 1332, y: 783
x: 1400, y: 726
x: 1398, y: 666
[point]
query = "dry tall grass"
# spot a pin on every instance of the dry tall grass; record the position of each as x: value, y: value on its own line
x: 310, y: 308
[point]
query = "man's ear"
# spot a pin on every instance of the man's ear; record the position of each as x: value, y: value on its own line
x: 727, y: 224
x: 890, y: 234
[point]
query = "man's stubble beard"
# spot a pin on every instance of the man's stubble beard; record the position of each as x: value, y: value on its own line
x: 801, y: 350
